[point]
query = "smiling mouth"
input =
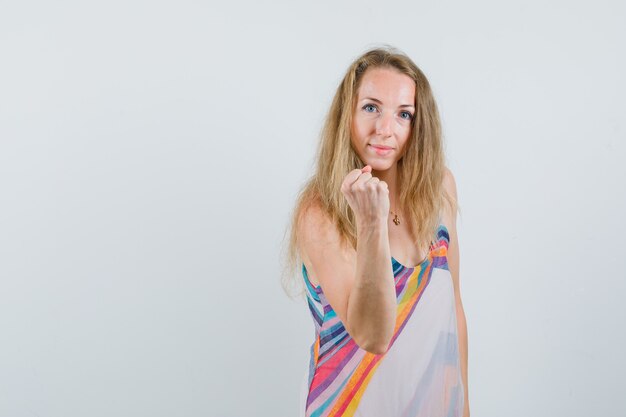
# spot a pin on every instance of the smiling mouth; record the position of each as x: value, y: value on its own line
x: 382, y: 148
x: 381, y: 151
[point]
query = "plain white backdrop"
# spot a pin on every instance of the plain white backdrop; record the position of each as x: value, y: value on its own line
x: 151, y: 152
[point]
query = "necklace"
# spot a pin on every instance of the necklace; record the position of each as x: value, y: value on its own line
x: 396, y: 219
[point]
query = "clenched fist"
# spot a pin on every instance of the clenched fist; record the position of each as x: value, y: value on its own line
x: 367, y: 195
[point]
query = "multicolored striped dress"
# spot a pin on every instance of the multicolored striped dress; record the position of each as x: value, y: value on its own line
x: 419, y: 375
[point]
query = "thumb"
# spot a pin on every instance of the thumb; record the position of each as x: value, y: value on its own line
x: 366, y: 168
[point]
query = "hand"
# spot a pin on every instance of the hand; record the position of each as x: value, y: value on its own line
x: 367, y: 195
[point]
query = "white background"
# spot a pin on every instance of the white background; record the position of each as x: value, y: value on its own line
x: 150, y: 154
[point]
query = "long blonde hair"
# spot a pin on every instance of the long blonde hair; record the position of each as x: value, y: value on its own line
x: 420, y: 170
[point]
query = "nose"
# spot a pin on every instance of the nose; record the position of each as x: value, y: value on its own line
x: 383, y: 124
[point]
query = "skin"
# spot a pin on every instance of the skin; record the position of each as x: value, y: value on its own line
x: 364, y: 297
x: 382, y: 116
x: 449, y: 219
x: 386, y: 120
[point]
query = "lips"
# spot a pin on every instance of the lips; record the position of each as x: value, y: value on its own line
x: 382, y: 150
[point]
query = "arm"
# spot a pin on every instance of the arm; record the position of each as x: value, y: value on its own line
x: 359, y: 284
x: 454, y: 266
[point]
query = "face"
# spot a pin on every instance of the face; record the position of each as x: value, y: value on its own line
x: 381, y: 123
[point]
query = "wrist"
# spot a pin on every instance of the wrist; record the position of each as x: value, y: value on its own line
x: 372, y: 226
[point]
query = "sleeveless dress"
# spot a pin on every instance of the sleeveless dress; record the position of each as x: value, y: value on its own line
x: 420, y: 373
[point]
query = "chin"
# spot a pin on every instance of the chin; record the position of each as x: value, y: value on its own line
x: 377, y: 164
x: 380, y: 165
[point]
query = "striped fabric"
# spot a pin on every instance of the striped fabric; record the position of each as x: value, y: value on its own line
x: 419, y: 375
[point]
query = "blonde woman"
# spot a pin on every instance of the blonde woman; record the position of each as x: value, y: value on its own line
x: 374, y: 231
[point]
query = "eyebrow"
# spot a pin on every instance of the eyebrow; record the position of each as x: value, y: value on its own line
x: 378, y: 101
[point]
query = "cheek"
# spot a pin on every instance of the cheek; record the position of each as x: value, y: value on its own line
x: 404, y: 132
x: 355, y: 136
x: 366, y: 126
x: 359, y: 130
x: 403, y: 129
x: 406, y: 137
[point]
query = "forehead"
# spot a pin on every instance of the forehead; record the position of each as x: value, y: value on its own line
x: 388, y: 85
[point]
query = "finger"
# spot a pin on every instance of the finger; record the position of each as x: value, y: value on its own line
x: 350, y: 179
x: 375, y: 184
x: 363, y: 178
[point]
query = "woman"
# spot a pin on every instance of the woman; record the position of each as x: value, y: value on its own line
x: 375, y: 229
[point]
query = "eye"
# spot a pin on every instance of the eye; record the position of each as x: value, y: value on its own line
x: 369, y: 106
x: 407, y: 115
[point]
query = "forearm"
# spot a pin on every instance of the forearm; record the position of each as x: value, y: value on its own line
x: 462, y: 334
x: 372, y: 301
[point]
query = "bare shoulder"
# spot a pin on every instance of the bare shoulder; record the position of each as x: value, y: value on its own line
x: 320, y: 243
x: 312, y: 216
x: 449, y: 220
x: 449, y: 212
x: 449, y: 181
x: 315, y: 227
